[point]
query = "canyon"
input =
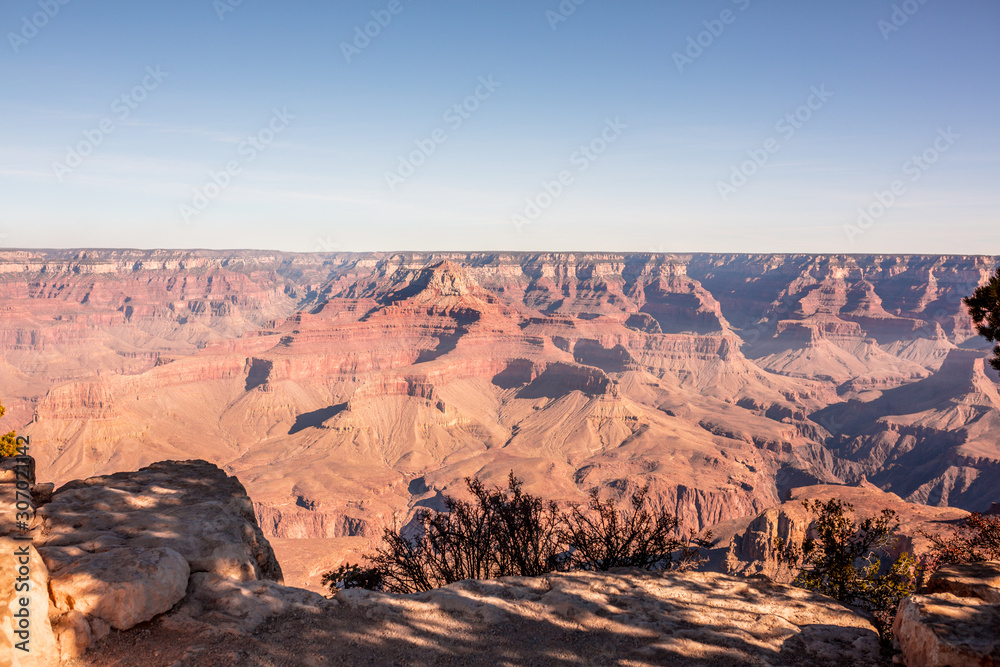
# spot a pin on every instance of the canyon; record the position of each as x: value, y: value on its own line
x: 347, y: 391
x: 167, y: 566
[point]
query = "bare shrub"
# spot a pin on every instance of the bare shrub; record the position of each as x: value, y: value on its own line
x: 974, y: 540
x: 507, y: 532
x: 603, y: 537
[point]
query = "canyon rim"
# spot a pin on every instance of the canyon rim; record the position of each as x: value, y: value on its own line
x: 347, y: 391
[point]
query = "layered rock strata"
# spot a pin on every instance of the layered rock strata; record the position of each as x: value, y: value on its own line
x: 334, y: 384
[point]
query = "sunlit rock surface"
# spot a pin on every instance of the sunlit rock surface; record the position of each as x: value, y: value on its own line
x: 957, y: 621
x: 349, y: 390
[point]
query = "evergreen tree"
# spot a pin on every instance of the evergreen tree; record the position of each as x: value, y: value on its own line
x: 984, y: 307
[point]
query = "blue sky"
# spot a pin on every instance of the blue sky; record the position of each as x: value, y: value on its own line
x: 729, y: 126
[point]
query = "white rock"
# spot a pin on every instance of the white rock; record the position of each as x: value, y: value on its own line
x: 123, y: 586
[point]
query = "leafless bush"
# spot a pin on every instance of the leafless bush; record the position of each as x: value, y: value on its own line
x: 974, y: 540
x: 603, y: 537
x: 507, y: 532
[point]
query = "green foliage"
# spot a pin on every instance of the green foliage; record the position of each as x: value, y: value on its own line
x: 8, y: 442
x: 843, y: 559
x: 984, y: 307
x: 507, y: 532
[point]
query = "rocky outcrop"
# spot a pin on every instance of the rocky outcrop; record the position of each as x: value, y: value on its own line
x: 116, y: 551
x: 751, y: 550
x: 174, y: 548
x: 622, y: 617
x: 26, y: 635
x: 639, y: 618
x: 350, y: 375
x: 190, y: 507
x: 956, y: 621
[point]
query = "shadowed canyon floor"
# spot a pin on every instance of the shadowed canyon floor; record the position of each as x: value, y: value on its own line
x: 346, y: 390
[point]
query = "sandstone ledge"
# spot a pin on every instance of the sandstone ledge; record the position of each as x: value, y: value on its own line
x: 957, y: 623
x: 120, y: 550
x: 626, y: 617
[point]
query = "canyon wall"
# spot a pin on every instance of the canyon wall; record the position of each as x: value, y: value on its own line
x: 348, y: 390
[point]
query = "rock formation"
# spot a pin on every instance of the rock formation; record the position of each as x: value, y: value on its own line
x: 26, y: 637
x: 624, y: 617
x: 348, y: 390
x: 956, y: 622
x: 166, y: 566
x: 116, y: 551
x: 750, y: 549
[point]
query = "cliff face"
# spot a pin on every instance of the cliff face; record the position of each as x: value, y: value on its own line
x: 171, y: 557
x: 751, y: 550
x: 348, y: 390
x: 955, y: 621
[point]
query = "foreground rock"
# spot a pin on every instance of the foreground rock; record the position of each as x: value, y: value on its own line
x: 622, y: 618
x: 957, y: 622
x: 116, y: 551
x: 26, y: 637
x: 41, y: 648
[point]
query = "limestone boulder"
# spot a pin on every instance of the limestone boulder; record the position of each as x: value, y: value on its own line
x: 191, y: 507
x: 972, y: 580
x: 124, y: 586
x: 956, y: 622
x: 120, y: 550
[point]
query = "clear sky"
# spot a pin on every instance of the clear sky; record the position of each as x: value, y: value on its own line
x: 620, y: 125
